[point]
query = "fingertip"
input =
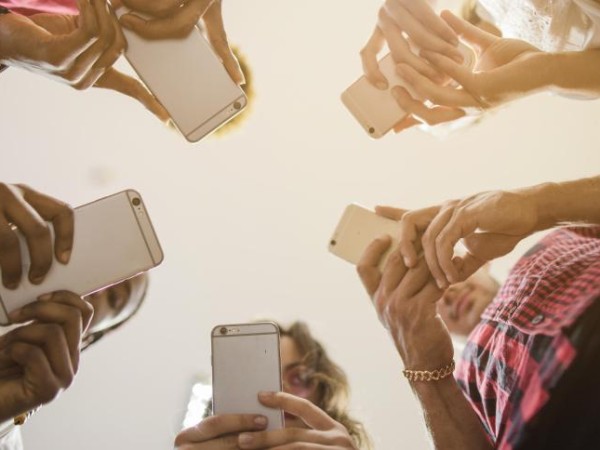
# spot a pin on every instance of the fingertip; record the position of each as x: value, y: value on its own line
x: 64, y: 256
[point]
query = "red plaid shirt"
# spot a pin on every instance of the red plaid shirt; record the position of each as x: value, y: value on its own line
x: 521, y: 347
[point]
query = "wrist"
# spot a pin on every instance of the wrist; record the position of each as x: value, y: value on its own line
x: 574, y: 73
x: 572, y: 202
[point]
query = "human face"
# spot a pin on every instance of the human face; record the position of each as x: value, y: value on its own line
x: 116, y: 303
x: 463, y: 303
x: 296, y: 378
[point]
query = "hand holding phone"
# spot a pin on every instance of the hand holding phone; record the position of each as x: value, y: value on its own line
x: 30, y: 212
x: 376, y: 110
x: 246, y: 360
x: 357, y: 228
x: 188, y: 79
x: 113, y: 240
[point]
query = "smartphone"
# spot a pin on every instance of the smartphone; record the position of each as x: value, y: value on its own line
x: 188, y: 79
x: 113, y: 240
x: 246, y: 360
x: 376, y: 110
x: 357, y: 228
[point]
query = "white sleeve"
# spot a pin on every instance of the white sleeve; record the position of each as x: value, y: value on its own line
x: 591, y: 9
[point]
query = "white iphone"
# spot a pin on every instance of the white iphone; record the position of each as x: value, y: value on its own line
x: 113, y: 240
x: 246, y: 360
x: 357, y: 228
x: 188, y: 79
x: 376, y: 110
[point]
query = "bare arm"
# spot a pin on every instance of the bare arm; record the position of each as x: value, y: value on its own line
x: 450, y: 419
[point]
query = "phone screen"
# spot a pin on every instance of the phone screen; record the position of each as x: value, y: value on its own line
x: 245, y: 361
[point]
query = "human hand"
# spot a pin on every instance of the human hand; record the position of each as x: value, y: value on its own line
x: 322, y: 431
x: 506, y: 69
x: 490, y: 224
x: 29, y: 211
x: 405, y: 301
x: 77, y: 50
x: 424, y: 30
x: 176, y: 19
x: 40, y: 359
x: 219, y: 432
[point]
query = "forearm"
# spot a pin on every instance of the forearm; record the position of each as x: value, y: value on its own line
x: 451, y: 421
x: 566, y: 203
x: 575, y: 72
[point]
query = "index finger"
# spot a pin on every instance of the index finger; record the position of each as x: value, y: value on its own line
x: 312, y: 415
x: 215, y: 426
x: 368, y: 56
x: 215, y: 32
x: 61, y: 216
x: 430, y: 19
x: 368, y: 265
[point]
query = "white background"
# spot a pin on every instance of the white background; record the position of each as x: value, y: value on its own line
x: 244, y: 220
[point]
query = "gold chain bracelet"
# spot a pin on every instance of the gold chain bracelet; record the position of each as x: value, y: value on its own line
x: 22, y: 418
x: 430, y: 375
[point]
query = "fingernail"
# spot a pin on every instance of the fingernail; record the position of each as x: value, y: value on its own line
x: 245, y: 439
x: 11, y: 285
x: 407, y: 261
x: 64, y: 256
x: 260, y: 421
x: 382, y: 85
x: 441, y: 284
x: 265, y: 395
x: 35, y: 278
x: 45, y: 297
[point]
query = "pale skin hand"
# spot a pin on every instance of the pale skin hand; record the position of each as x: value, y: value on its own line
x: 30, y: 211
x: 490, y: 224
x: 424, y: 29
x: 219, y: 432
x: 405, y: 301
x: 76, y: 50
x: 40, y: 359
x: 322, y: 433
x: 176, y: 19
x: 506, y: 69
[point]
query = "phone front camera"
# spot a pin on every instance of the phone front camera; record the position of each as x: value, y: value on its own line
x: 223, y: 330
x: 136, y: 201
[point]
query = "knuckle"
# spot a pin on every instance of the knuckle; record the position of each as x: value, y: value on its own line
x: 9, y: 242
x: 54, y: 333
x: 40, y: 231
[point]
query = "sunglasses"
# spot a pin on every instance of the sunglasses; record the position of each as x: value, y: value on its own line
x: 298, y: 379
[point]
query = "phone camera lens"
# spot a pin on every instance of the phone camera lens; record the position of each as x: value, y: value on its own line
x: 223, y: 330
x: 371, y: 130
x: 332, y: 242
x: 136, y: 201
x: 237, y: 105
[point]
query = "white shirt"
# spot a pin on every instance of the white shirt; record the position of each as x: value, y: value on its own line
x: 550, y: 25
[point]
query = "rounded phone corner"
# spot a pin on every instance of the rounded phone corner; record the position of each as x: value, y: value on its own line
x: 131, y: 193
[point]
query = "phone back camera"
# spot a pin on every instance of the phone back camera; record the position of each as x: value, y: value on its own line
x: 136, y: 201
x: 371, y: 130
x: 237, y: 105
x: 223, y: 330
x: 332, y: 242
